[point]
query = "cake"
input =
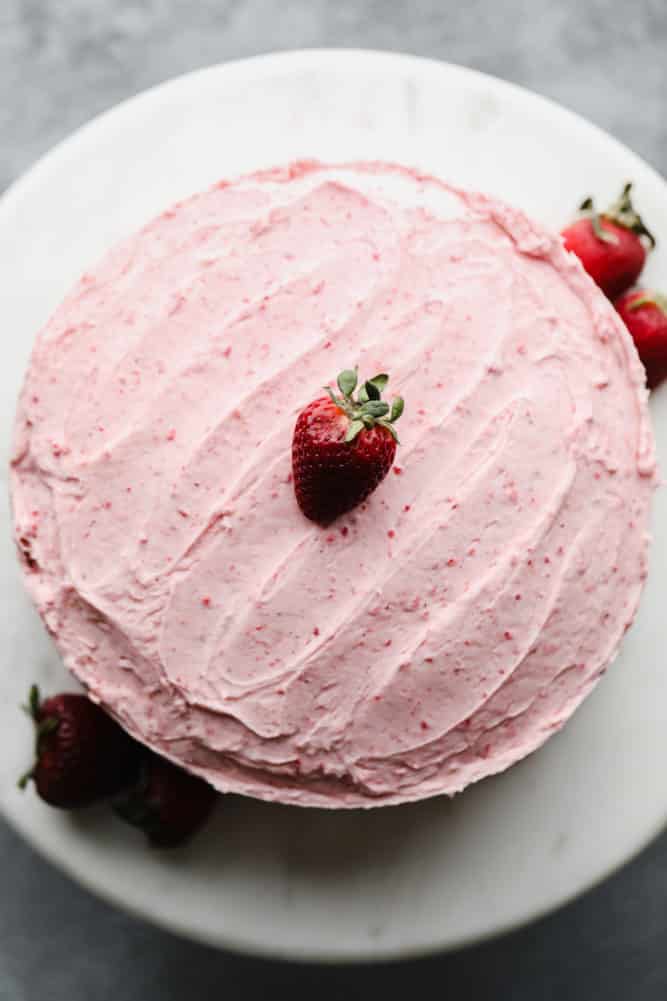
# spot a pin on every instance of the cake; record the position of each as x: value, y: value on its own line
x: 436, y: 634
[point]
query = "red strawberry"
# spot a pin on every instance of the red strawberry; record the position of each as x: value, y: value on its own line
x: 168, y: 804
x: 645, y: 315
x: 82, y: 755
x: 610, y: 245
x: 343, y: 447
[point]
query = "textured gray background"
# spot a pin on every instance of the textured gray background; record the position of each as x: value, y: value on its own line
x: 63, y: 61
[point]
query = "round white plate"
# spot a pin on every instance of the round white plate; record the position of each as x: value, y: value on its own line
x: 305, y: 883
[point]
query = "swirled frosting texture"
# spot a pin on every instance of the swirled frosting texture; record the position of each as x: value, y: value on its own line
x: 437, y: 634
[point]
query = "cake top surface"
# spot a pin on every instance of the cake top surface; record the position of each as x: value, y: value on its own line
x: 436, y: 634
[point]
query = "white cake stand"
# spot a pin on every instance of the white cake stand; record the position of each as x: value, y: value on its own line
x: 309, y: 884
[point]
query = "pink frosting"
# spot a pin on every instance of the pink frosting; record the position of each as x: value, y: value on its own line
x: 437, y: 634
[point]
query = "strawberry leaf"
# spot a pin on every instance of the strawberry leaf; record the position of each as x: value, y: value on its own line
x: 47, y: 726
x: 362, y: 395
x: 353, y: 430
x: 649, y: 299
x: 372, y: 391
x: 43, y: 730
x: 34, y: 701
x: 380, y: 381
x: 602, y: 234
x: 375, y: 408
x: 623, y: 212
x: 336, y: 399
x: 391, y: 429
x: 347, y: 382
x: 25, y: 778
x: 397, y: 408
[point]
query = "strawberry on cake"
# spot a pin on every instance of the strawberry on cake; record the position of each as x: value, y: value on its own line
x: 453, y: 612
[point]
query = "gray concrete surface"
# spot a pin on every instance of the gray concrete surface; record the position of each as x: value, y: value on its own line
x: 63, y: 61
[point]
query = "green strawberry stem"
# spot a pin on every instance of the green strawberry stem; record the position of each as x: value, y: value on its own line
x: 25, y: 778
x: 649, y: 299
x: 368, y: 409
x: 622, y: 212
x: 43, y: 727
x: 33, y: 703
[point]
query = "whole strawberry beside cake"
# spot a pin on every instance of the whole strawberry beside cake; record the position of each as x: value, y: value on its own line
x: 432, y: 632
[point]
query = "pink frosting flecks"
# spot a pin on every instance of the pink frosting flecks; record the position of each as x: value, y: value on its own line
x: 451, y: 623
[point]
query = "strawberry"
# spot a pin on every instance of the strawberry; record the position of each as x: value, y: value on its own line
x: 168, y: 804
x: 610, y: 245
x: 82, y: 755
x: 343, y: 447
x: 645, y: 315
